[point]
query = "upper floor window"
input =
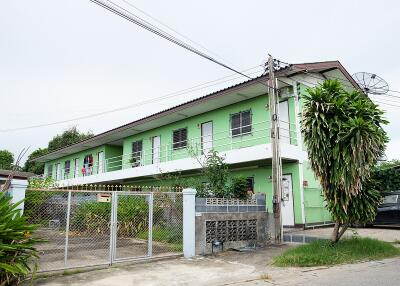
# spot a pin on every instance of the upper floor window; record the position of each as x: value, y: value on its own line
x: 137, y: 148
x: 87, y: 165
x: 67, y: 168
x: 50, y: 170
x: 179, y: 138
x: 241, y: 123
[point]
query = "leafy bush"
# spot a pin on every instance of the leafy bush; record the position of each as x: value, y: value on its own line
x: 238, y: 188
x: 216, y: 172
x: 170, y: 235
x: 94, y: 217
x: 35, y: 205
x: 17, y: 251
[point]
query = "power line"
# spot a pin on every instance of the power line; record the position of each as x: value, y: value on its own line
x: 126, y: 14
x: 167, y: 96
x: 346, y: 83
x: 393, y: 105
x: 172, y: 29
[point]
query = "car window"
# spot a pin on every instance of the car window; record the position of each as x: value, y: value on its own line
x: 390, y: 199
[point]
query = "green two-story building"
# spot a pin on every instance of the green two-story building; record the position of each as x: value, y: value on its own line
x: 234, y: 121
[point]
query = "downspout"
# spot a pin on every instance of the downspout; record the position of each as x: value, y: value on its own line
x: 300, y: 148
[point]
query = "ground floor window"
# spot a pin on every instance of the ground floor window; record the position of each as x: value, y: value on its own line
x: 250, y: 185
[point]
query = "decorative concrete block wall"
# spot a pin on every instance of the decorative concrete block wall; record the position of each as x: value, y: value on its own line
x: 237, y: 223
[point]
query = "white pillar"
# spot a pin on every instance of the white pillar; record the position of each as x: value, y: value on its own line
x: 189, y: 216
x: 17, y: 192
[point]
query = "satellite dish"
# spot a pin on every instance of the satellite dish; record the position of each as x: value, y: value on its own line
x: 371, y: 83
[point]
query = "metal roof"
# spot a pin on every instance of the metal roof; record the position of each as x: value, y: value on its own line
x: 17, y: 174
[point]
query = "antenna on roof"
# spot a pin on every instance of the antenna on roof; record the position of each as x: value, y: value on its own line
x: 370, y: 83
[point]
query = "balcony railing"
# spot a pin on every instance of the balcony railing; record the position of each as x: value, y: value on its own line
x: 195, y: 147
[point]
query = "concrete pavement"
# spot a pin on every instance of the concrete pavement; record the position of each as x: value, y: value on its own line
x: 233, y: 268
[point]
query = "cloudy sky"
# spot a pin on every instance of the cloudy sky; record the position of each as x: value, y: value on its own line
x: 65, y: 59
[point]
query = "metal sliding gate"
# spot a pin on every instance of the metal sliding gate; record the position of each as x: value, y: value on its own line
x: 88, y: 228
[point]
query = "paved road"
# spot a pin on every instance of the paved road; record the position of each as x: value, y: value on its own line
x: 233, y: 268
x: 382, y: 273
x: 373, y: 273
x: 381, y: 233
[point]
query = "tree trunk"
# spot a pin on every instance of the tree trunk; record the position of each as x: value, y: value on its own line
x: 335, y: 232
x: 342, y: 231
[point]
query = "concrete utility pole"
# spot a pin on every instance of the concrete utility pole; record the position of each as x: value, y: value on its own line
x: 276, y: 156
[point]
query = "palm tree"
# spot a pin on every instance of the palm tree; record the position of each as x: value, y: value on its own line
x: 344, y: 137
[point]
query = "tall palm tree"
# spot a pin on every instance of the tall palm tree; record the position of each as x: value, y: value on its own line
x: 344, y: 137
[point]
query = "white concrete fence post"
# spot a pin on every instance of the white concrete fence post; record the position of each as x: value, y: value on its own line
x: 17, y: 191
x: 189, y: 219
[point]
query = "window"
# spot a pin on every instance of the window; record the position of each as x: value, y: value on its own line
x: 76, y: 166
x: 250, y: 184
x: 87, y: 165
x: 67, y: 168
x: 137, y: 148
x: 241, y: 123
x: 50, y: 170
x: 58, y: 171
x: 179, y: 138
x: 390, y: 199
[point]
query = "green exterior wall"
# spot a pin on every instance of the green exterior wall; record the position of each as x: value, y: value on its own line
x: 222, y: 138
x: 109, y: 151
x: 113, y: 157
x: 262, y: 184
x: 118, y: 157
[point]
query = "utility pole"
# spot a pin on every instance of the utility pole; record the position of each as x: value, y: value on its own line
x: 276, y: 157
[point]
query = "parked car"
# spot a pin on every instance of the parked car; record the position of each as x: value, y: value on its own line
x: 388, y: 210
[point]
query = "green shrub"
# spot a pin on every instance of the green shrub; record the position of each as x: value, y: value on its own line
x: 238, y: 188
x: 17, y: 251
x: 35, y: 205
x: 94, y: 217
x: 170, y: 235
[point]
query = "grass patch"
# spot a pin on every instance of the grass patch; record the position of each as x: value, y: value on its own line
x: 321, y: 252
x: 169, y: 235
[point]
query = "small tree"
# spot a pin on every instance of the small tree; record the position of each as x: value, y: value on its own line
x: 35, y: 167
x: 216, y: 172
x: 344, y: 137
x: 6, y: 160
x: 68, y: 137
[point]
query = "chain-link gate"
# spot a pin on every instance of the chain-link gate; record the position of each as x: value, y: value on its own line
x: 132, y: 226
x: 82, y: 228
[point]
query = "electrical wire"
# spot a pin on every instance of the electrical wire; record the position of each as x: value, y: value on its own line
x: 377, y: 101
x: 172, y: 29
x: 126, y: 14
x: 345, y: 83
x: 157, y: 99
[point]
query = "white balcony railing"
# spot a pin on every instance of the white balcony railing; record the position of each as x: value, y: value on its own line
x: 195, y: 147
